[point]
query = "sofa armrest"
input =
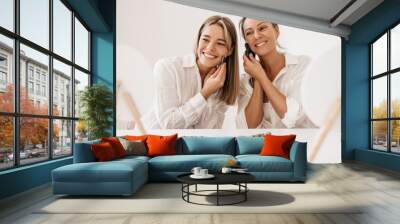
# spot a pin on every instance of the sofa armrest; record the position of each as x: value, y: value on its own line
x: 298, y: 155
x: 83, y: 152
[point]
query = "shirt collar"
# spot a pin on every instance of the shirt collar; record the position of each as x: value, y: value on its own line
x: 290, y: 59
x: 189, y: 61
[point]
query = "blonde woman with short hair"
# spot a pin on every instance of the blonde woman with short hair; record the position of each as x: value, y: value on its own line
x: 193, y: 91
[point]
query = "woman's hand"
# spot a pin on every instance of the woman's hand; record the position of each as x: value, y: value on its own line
x: 253, y: 67
x: 214, y: 80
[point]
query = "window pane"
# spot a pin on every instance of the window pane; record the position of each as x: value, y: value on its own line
x: 379, y: 97
x: 62, y: 89
x: 379, y: 135
x: 7, y: 14
x: 6, y: 142
x: 81, y: 131
x: 81, y: 81
x: 62, y: 137
x: 34, y: 97
x: 395, y: 94
x: 33, y: 140
x: 395, y: 136
x: 81, y: 45
x: 62, y: 29
x: 35, y: 21
x: 379, y: 55
x: 395, y: 47
x: 6, y: 74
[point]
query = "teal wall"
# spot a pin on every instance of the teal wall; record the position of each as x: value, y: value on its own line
x: 24, y: 178
x: 381, y: 159
x: 102, y: 59
x: 104, y: 53
x: 99, y: 16
x: 103, y: 64
x: 356, y: 91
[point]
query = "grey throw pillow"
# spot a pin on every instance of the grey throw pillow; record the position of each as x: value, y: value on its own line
x: 261, y: 134
x: 134, y: 147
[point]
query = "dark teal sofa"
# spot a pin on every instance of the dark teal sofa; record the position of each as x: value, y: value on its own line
x: 125, y: 176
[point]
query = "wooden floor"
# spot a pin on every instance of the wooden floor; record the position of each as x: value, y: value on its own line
x: 378, y: 188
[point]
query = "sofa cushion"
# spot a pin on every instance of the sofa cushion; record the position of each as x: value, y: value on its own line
x: 277, y: 145
x: 257, y: 163
x: 134, y: 147
x: 185, y: 163
x: 103, y: 152
x: 136, y: 137
x: 83, y: 152
x: 131, y: 158
x: 197, y: 145
x: 161, y: 145
x: 111, y: 171
x: 249, y: 145
x: 116, y: 145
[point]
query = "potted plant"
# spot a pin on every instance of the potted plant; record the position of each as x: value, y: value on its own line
x: 96, y: 103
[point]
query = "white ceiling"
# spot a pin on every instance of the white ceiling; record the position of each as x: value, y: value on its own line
x: 321, y: 9
x: 316, y: 15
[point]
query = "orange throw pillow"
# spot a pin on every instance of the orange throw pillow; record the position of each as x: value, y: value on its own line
x: 135, y: 138
x: 277, y: 145
x: 103, y: 152
x: 116, y: 145
x: 161, y: 145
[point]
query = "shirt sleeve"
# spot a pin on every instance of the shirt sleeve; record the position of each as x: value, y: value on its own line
x: 243, y: 99
x: 295, y: 112
x: 217, y: 113
x: 214, y: 114
x: 170, y: 113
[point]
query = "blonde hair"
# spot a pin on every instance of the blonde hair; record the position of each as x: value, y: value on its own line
x: 230, y: 90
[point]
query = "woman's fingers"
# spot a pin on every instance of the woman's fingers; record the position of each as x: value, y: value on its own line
x: 212, y: 71
x: 221, y: 69
x: 249, y: 60
x: 252, y: 58
x: 222, y: 74
x: 246, y: 60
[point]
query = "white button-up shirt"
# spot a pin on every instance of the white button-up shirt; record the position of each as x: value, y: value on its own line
x: 288, y: 82
x: 178, y: 102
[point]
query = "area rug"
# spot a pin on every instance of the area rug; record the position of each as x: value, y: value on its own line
x: 167, y: 198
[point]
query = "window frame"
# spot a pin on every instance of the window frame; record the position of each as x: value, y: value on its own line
x: 16, y: 115
x: 388, y: 74
x: 3, y: 70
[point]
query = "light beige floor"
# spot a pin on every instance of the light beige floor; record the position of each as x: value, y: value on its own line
x: 378, y: 188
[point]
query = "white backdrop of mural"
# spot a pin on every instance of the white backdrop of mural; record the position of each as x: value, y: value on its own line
x: 150, y: 30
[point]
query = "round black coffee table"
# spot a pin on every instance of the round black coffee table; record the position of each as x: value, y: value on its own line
x: 238, y: 179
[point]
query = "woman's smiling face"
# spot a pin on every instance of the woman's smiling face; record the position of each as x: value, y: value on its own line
x: 260, y: 35
x: 212, y: 46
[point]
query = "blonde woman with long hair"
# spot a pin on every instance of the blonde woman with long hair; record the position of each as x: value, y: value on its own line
x: 193, y: 91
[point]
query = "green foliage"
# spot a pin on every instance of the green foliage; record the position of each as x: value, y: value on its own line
x: 96, y: 103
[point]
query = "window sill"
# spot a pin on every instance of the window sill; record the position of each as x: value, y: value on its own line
x: 25, y: 167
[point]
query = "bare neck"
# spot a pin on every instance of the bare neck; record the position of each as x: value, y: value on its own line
x: 203, y: 70
x: 273, y: 63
